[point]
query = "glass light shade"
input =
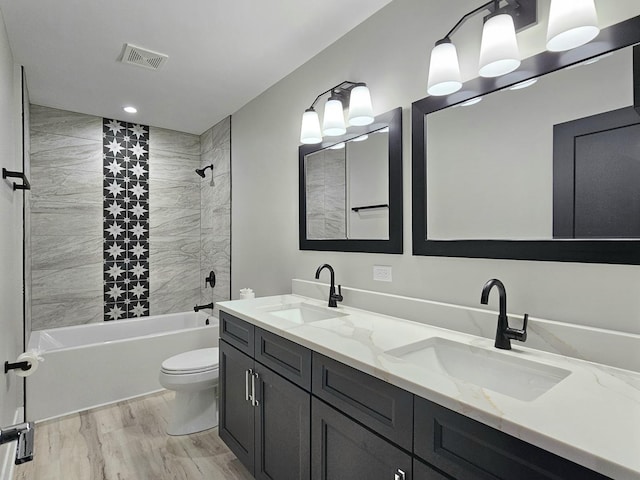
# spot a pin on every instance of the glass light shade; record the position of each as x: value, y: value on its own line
x: 337, y: 146
x: 310, y: 131
x: 360, y: 109
x: 571, y: 23
x: 333, y: 121
x: 499, y: 53
x: 444, y: 70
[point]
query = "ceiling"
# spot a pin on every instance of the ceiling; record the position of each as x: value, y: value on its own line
x: 222, y: 53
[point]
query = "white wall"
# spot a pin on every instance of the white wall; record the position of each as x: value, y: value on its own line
x: 10, y: 233
x: 390, y: 52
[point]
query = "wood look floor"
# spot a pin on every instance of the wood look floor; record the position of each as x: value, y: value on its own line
x: 127, y: 441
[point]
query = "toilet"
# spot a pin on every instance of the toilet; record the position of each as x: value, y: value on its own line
x: 194, y: 377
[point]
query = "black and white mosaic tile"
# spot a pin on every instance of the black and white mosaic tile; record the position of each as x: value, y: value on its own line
x: 125, y: 156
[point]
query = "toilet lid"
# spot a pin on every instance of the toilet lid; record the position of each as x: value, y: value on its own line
x: 192, y: 362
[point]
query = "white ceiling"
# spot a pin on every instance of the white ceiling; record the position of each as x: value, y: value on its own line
x: 222, y: 53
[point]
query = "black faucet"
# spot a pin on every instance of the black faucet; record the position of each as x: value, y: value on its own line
x: 333, y: 297
x: 504, y: 333
x: 197, y: 308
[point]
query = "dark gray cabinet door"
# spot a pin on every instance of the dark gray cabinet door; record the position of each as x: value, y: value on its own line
x: 344, y: 450
x: 236, y: 414
x: 283, y: 435
x: 422, y: 471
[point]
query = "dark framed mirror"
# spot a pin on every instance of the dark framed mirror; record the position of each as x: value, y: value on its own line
x: 488, y: 180
x: 350, y: 189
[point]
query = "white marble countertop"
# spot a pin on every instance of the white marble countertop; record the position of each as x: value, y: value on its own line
x: 592, y: 417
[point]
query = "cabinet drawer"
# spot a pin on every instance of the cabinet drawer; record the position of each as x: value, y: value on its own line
x: 469, y: 450
x: 237, y: 332
x: 285, y: 357
x: 422, y: 471
x: 384, y: 408
x: 343, y: 449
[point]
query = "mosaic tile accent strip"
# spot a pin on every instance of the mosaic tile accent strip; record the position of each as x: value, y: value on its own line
x: 126, y: 219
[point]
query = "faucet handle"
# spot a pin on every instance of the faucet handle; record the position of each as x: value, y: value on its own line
x: 339, y: 296
x: 520, y: 335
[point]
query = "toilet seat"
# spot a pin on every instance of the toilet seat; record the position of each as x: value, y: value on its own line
x: 196, y: 361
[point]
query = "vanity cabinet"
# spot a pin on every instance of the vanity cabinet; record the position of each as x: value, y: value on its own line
x: 290, y: 413
x: 264, y: 417
x: 470, y: 450
x: 343, y: 449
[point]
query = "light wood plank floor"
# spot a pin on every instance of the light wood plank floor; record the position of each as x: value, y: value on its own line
x: 127, y: 441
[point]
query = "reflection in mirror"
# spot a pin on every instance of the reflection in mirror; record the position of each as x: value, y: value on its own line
x: 347, y: 193
x: 351, y: 189
x: 547, y: 172
x: 498, y: 183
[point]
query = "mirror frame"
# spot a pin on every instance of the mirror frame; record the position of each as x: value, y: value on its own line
x: 393, y: 119
x: 621, y: 35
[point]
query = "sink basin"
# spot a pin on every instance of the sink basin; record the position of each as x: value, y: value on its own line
x: 492, y: 370
x: 300, y: 313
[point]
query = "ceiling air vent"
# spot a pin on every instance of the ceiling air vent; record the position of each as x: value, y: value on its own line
x: 143, y: 58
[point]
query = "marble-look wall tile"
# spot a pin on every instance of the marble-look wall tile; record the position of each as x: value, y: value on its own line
x: 66, y: 218
x: 218, y: 136
x: 175, y: 301
x: 167, y: 221
x: 174, y: 167
x: 216, y: 212
x: 62, y: 122
x: 58, y: 252
x: 68, y: 309
x: 166, y: 251
x: 82, y: 220
x: 163, y: 140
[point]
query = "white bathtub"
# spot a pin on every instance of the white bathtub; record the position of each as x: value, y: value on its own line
x: 92, y: 365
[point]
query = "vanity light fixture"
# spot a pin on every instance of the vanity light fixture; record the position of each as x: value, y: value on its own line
x: 473, y: 101
x: 361, y: 138
x: 333, y: 123
x: 499, y: 52
x: 572, y: 23
x: 525, y: 84
x: 337, y: 146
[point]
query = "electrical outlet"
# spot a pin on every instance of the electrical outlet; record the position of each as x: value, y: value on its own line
x: 382, y: 273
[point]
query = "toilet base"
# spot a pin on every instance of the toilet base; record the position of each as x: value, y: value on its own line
x: 193, y: 412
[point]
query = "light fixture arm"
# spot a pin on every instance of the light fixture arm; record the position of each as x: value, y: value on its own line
x: 492, y: 6
x: 341, y: 89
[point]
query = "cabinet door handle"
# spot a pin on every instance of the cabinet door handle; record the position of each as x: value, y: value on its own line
x: 247, y: 395
x: 400, y: 475
x: 254, y: 398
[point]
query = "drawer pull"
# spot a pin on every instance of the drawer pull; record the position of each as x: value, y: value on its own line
x: 254, y: 397
x: 247, y: 395
x: 400, y: 475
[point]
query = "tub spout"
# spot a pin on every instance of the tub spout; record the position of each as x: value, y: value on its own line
x: 197, y: 308
x: 24, y: 434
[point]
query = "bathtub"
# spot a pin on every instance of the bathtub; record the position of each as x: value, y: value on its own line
x: 91, y: 365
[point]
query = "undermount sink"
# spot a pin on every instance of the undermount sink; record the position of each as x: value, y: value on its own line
x: 300, y: 313
x: 492, y: 370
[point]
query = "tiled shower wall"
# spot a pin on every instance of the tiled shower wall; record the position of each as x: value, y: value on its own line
x: 215, y: 194
x: 67, y: 220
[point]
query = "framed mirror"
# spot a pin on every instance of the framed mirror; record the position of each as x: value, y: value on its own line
x: 548, y: 172
x: 350, y: 189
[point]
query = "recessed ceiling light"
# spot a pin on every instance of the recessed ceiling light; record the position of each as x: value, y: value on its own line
x: 130, y: 109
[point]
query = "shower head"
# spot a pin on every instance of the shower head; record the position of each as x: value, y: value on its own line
x: 200, y: 171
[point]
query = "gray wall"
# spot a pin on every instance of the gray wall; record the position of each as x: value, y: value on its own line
x: 67, y: 227
x: 390, y: 52
x: 11, y: 310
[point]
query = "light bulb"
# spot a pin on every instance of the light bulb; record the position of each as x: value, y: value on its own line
x: 499, y: 53
x: 572, y: 23
x: 444, y: 70
x: 333, y: 121
x: 310, y: 131
x: 360, y: 108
